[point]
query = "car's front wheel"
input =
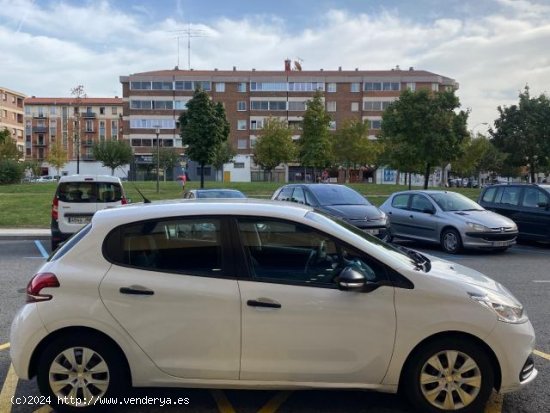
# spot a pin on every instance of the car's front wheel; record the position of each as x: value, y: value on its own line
x: 449, y: 375
x: 75, y: 373
x: 451, y: 241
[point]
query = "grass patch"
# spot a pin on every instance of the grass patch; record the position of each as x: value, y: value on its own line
x: 29, y: 205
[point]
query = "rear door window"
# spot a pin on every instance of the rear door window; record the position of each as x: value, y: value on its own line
x: 533, y: 197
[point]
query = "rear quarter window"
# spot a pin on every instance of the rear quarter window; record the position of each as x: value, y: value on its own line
x: 489, y: 195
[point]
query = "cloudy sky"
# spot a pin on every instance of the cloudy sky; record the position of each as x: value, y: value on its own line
x: 493, y: 48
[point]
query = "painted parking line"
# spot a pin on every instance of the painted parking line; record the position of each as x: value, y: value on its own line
x: 4, y: 346
x: 541, y: 281
x: 275, y: 402
x: 542, y: 354
x: 8, y: 391
x: 41, y: 248
x: 494, y: 405
x: 224, y: 406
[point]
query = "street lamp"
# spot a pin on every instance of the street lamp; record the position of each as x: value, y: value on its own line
x: 157, y: 131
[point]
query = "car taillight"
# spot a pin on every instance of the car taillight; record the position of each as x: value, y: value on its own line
x: 123, y: 200
x: 38, y: 283
x: 55, y: 207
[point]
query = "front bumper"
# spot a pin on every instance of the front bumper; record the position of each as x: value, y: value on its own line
x: 513, y: 345
x: 489, y: 239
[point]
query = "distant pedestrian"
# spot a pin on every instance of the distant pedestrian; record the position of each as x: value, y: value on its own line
x: 183, y: 181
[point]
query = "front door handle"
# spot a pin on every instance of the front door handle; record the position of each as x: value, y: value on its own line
x: 136, y: 290
x: 263, y: 303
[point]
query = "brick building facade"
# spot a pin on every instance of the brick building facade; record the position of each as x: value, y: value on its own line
x: 11, y: 115
x: 157, y: 98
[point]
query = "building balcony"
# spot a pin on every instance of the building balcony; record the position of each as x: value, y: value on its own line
x: 40, y: 129
x: 88, y: 115
x: 88, y: 130
x: 39, y: 116
x: 88, y: 142
x: 39, y: 143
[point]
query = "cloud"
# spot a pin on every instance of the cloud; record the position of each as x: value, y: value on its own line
x: 48, y: 48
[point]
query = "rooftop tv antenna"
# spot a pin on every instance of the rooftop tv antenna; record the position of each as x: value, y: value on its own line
x: 189, y: 33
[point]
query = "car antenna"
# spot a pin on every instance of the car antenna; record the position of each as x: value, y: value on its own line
x: 145, y: 199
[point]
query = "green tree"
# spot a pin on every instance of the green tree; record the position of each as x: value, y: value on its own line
x: 57, y: 156
x: 224, y: 154
x: 113, y: 154
x: 274, y: 145
x: 423, y: 126
x: 352, y: 146
x: 168, y: 159
x: 34, y: 167
x: 11, y: 171
x: 203, y: 128
x: 523, y: 132
x: 8, y: 148
x: 478, y: 155
x: 315, y: 146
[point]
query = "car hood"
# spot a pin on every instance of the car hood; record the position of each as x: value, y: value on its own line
x: 353, y: 211
x: 487, y: 218
x: 465, y: 277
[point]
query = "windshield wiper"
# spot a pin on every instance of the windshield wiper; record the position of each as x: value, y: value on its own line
x: 421, y: 261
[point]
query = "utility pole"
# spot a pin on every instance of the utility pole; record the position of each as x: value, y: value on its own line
x: 78, y: 93
x: 157, y: 131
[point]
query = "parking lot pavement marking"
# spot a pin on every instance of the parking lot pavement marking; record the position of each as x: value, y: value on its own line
x: 541, y: 281
x: 224, y: 406
x: 44, y: 409
x: 275, y: 402
x: 494, y: 405
x: 8, y: 390
x: 541, y: 354
x: 4, y: 346
x: 41, y: 248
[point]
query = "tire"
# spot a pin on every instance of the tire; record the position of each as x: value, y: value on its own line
x: 65, y: 355
x: 451, y: 241
x: 432, y: 388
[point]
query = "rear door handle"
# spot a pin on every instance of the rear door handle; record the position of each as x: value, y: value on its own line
x: 265, y: 304
x: 136, y: 290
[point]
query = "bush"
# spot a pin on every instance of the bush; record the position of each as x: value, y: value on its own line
x: 11, y: 171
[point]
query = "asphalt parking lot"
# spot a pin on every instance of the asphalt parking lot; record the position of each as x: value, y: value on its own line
x: 524, y: 269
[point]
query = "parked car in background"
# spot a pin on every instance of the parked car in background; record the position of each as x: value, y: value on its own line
x: 528, y: 205
x: 339, y: 201
x: 77, y: 198
x: 256, y: 295
x: 449, y: 219
x: 213, y: 193
x: 44, y: 179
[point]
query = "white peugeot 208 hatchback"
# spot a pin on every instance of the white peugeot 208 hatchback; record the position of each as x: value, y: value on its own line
x: 261, y: 295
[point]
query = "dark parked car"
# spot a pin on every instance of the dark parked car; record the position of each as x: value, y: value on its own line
x: 213, y: 193
x: 528, y: 205
x: 339, y: 201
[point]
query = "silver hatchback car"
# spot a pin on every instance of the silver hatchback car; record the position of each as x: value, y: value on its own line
x: 447, y: 218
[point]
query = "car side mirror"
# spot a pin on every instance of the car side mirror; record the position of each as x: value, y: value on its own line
x: 543, y: 205
x: 351, y: 279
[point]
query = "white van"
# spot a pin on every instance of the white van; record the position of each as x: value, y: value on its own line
x: 76, y: 200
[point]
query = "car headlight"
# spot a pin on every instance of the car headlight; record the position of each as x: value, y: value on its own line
x: 506, y: 309
x: 477, y: 227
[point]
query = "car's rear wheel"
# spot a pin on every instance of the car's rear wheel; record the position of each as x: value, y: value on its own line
x: 451, y: 241
x: 449, y: 375
x: 75, y: 373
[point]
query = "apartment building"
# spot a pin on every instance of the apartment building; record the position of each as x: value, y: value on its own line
x: 11, y: 115
x: 78, y: 124
x: 157, y: 98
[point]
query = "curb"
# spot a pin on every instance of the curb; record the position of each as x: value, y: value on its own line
x: 10, y: 234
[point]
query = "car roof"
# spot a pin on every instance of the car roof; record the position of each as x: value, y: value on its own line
x: 425, y: 191
x: 215, y: 190
x: 87, y: 178
x: 186, y: 207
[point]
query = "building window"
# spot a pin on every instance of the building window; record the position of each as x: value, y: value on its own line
x: 89, y: 125
x: 297, y: 106
x: 435, y: 87
x: 265, y: 105
x: 387, y: 86
x: 256, y: 124
x: 355, y: 87
x: 241, y: 105
x: 238, y: 165
x: 355, y: 106
x: 306, y: 86
x: 331, y: 106
x: 53, y: 111
x: 114, y: 110
x: 241, y: 87
x: 241, y: 125
x: 331, y: 87
x: 268, y: 87
x: 220, y: 87
x: 242, y: 144
x: 411, y: 86
x: 375, y: 123
x: 102, y: 110
x: 162, y: 86
x: 332, y: 125
x: 140, y: 85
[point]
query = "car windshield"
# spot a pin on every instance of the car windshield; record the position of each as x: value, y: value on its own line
x: 404, y: 255
x: 451, y: 201
x: 220, y: 194
x: 337, y: 195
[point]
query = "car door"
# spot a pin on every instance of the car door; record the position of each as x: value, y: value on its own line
x: 422, y: 219
x: 533, y: 216
x: 398, y: 213
x: 296, y: 325
x: 170, y: 289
